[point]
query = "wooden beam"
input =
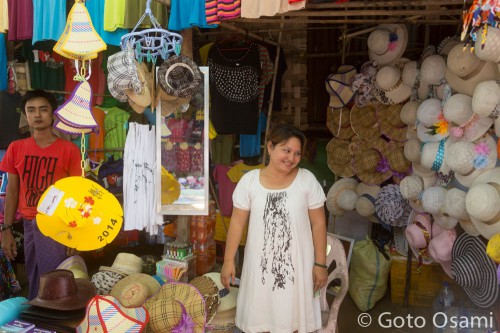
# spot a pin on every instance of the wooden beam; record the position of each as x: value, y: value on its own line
x: 395, y: 3
x: 457, y: 21
x: 367, y: 12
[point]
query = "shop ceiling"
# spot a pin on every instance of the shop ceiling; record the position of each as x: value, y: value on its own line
x: 363, y: 14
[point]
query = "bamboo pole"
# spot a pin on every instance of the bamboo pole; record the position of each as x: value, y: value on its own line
x: 397, y: 3
x: 273, y: 86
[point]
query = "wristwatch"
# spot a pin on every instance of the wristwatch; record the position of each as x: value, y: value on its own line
x: 5, y: 227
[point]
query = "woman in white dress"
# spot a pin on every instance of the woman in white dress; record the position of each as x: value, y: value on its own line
x: 285, y: 252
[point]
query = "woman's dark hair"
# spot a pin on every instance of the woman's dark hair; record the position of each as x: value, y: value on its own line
x: 38, y: 93
x: 282, y: 132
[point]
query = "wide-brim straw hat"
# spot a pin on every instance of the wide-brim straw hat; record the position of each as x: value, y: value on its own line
x: 364, y: 122
x: 173, y: 301
x: 486, y: 101
x: 429, y: 111
x: 447, y: 44
x: 210, y: 292
x: 412, y: 188
x: 338, y: 122
x: 413, y: 150
x: 418, y: 234
x: 370, y: 163
x: 469, y: 160
x: 464, y: 124
x: 124, y: 263
x: 332, y: 198
x: 465, y: 71
x: 412, y: 78
x: 469, y: 227
x: 227, y: 301
x: 77, y: 265
x: 433, y: 156
x: 483, y: 202
x: 179, y: 76
x: 408, y: 113
x: 389, y: 120
x: 445, y: 221
x: 387, y: 43
x: 389, y: 87
x: 474, y: 270
x: 433, y: 69
x: 390, y: 206
x: 398, y: 163
x: 143, y: 97
x: 339, y: 157
x: 123, y: 74
x: 487, y: 45
x: 132, y: 291
x: 338, y: 86
x: 104, y: 281
x: 454, y: 204
x: 171, y: 104
x: 441, y: 245
x: 367, y: 195
x: 429, y: 134
x: 420, y: 170
x: 433, y: 199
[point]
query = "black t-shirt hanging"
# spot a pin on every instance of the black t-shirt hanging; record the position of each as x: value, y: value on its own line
x: 234, y: 82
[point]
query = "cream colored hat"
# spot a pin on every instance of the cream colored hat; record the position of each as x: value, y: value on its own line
x: 393, y: 90
x: 410, y: 77
x: 483, y: 203
x: 332, y: 198
x: 469, y: 160
x: 445, y: 221
x: 433, y: 69
x: 432, y: 126
x: 387, y: 43
x: 433, y: 199
x: 433, y: 154
x: 413, y: 150
x: 367, y: 194
x: 429, y: 111
x: 486, y: 101
x: 454, y: 204
x: 125, y: 263
x: 447, y: 44
x: 412, y: 187
x: 465, y: 71
x: 422, y: 171
x: 469, y: 227
x: 411, y: 133
x: 490, y: 50
x: 464, y: 124
x: 408, y: 113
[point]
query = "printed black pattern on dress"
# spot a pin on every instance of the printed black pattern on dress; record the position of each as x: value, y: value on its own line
x: 237, y: 84
x: 276, y: 252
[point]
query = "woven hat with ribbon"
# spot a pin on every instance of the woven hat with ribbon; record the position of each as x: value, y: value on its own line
x: 123, y: 74
x: 370, y: 162
x: 387, y: 43
x: 418, y: 234
x: 210, y: 292
x: 364, y: 122
x: 179, y: 76
x: 389, y: 86
x: 338, y: 86
x: 339, y: 157
x: 433, y: 69
x: 391, y: 208
x: 79, y: 40
x: 412, y: 78
x: 486, y: 102
x: 441, y: 245
x: 338, y: 122
x: 474, y: 270
x: 365, y: 204
x: 408, y: 113
x: 454, y: 204
x: 389, y: 120
x: 133, y: 290
x: 487, y: 47
x: 398, y: 163
x: 332, y: 199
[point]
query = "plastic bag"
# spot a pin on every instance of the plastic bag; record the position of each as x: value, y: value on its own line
x: 369, y: 273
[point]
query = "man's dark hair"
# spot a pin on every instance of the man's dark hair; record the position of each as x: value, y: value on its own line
x: 38, y: 93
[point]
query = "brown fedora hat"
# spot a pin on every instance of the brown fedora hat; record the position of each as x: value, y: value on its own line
x: 59, y: 290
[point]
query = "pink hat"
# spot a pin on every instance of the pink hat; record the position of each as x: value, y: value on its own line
x: 418, y: 233
x: 441, y: 245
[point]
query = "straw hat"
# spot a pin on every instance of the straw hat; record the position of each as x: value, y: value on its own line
x: 339, y: 157
x: 106, y: 314
x: 125, y: 264
x: 170, y: 104
x: 104, y: 281
x: 338, y: 86
x: 132, y: 291
x: 77, y: 110
x: 431, y: 124
x: 412, y: 78
x: 465, y: 71
x: 362, y: 84
x: 77, y: 265
x: 493, y: 248
x: 364, y: 122
x: 370, y: 162
x: 490, y: 49
x: 141, y: 98
x: 454, y: 204
x: 367, y: 195
x: 123, y: 74
x: 390, y: 206
x: 176, y: 306
x: 433, y: 156
x: 441, y: 245
x: 413, y: 150
x: 445, y: 221
x: 391, y: 90
x: 433, y: 199
x: 338, y: 122
x: 483, y: 202
x: 468, y: 160
x: 486, y: 101
x: 464, y: 124
x: 412, y: 189
x: 332, y: 198
x: 433, y: 69
x: 418, y: 234
x: 429, y: 111
x: 411, y: 132
x: 469, y: 227
x: 435, y: 133
x: 79, y: 39
x: 389, y: 120
x: 210, y: 292
x: 179, y: 76
x: 408, y: 113
x: 227, y: 299
x: 447, y: 44
x: 474, y: 271
x: 224, y: 321
x: 398, y: 163
x: 387, y: 43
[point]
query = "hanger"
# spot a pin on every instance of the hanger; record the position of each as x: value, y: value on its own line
x: 235, y: 42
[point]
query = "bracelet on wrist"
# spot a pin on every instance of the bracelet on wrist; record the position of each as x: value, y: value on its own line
x: 320, y: 265
x: 5, y: 227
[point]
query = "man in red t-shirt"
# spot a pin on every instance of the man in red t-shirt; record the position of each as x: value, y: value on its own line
x: 33, y: 164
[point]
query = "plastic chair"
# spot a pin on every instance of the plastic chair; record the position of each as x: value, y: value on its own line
x: 335, y: 253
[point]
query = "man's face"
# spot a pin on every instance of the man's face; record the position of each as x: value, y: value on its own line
x: 39, y: 113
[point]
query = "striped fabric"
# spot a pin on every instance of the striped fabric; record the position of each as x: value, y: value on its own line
x: 220, y: 10
x: 211, y: 12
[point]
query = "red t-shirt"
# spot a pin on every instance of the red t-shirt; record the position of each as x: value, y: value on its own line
x: 38, y: 168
